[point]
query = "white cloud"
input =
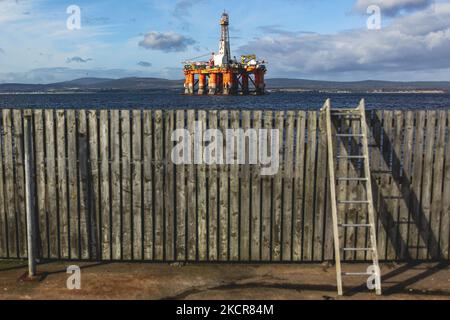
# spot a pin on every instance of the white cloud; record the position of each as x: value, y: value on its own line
x: 391, y: 7
x: 419, y: 42
x: 166, y: 41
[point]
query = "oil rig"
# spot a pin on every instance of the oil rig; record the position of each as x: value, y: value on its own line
x: 222, y: 74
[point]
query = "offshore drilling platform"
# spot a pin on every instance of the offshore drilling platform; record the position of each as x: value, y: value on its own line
x: 222, y: 74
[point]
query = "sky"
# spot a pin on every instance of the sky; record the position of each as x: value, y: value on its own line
x: 40, y: 41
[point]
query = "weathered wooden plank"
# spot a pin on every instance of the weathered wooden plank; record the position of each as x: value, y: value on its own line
x: 63, y: 200
x: 299, y: 184
x: 404, y: 203
x: 288, y: 180
x: 83, y: 185
x: 116, y: 225
x: 13, y: 251
x: 169, y: 122
x: 277, y: 222
x: 148, y: 216
x: 201, y: 191
x: 223, y: 197
x: 136, y: 177
x: 445, y: 218
x: 181, y: 194
x: 72, y: 180
x: 213, y: 209
x: 127, y: 206
x: 321, y: 192
x: 105, y: 190
x: 192, y: 195
x: 438, y: 178
x: 255, y: 197
x: 234, y: 193
x: 39, y: 150
x: 51, y: 185
x: 94, y: 230
x: 19, y: 182
x: 244, y: 181
x: 267, y: 186
x: 416, y: 209
x: 311, y: 149
x: 427, y: 177
x: 159, y: 178
x: 394, y: 194
x: 83, y: 206
x: 3, y: 207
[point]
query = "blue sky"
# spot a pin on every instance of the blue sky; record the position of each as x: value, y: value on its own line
x: 314, y: 39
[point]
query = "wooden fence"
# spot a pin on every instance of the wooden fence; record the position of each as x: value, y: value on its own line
x: 106, y: 189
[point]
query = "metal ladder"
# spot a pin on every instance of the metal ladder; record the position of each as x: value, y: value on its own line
x: 357, y: 114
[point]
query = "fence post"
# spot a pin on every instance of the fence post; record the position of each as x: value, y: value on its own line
x: 28, y: 148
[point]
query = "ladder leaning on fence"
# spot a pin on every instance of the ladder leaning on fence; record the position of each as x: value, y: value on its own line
x: 357, y: 114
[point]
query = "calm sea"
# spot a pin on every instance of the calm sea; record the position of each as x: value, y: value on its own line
x: 173, y: 99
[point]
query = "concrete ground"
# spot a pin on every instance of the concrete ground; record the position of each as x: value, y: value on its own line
x: 221, y: 281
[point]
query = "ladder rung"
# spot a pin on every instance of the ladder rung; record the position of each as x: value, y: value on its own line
x: 351, y: 179
x: 351, y: 157
x: 360, y: 225
x: 349, y: 135
x: 353, y: 202
x: 358, y: 249
x: 356, y: 274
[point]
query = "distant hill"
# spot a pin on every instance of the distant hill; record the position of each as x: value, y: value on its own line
x: 133, y: 84
x: 356, y: 86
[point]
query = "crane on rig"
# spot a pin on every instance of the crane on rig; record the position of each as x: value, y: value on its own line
x: 222, y: 73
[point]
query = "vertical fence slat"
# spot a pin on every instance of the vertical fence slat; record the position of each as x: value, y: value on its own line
x: 255, y: 246
x: 267, y: 185
x: 192, y: 213
x: 438, y: 178
x: 320, y: 210
x: 169, y: 188
x: 299, y: 184
x: 244, y: 236
x: 278, y: 190
x: 148, y: 221
x: 181, y: 195
x: 404, y: 205
x: 445, y: 224
x: 394, y: 193
x: 288, y: 195
x: 427, y: 176
x: 125, y: 188
x: 72, y: 164
x: 136, y: 177
x: 213, y: 209
x: 83, y: 183
x: 39, y: 147
x: 234, y: 194
x: 62, y: 183
x: 223, y: 214
x: 3, y: 210
x: 201, y: 193
x: 105, y: 156
x: 95, y: 191
x: 116, y: 219
x: 159, y: 178
x: 416, y: 209
x: 19, y: 182
x: 308, y: 222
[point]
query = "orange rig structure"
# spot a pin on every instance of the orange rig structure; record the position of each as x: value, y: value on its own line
x: 222, y: 74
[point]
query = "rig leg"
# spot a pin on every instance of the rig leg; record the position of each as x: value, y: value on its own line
x: 189, y: 84
x: 212, y: 84
x: 227, y: 83
x: 202, y: 84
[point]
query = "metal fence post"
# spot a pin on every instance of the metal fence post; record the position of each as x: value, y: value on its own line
x: 28, y: 148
